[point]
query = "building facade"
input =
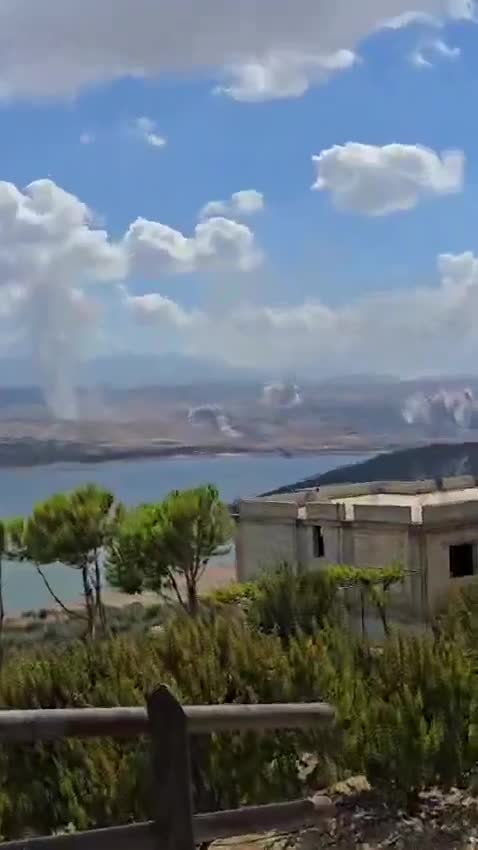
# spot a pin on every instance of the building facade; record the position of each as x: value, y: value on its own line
x: 429, y: 527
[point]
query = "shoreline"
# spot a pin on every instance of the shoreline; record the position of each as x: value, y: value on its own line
x: 17, y: 620
x: 22, y: 457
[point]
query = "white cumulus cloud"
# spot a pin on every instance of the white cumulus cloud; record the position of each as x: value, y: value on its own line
x: 407, y: 332
x: 53, y: 255
x: 154, y: 248
x: 282, y: 74
x: 378, y: 181
x: 57, y: 47
x: 158, y: 309
x: 244, y: 203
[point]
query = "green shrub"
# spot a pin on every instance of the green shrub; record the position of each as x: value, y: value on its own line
x: 287, y: 602
x: 97, y: 783
x: 407, y: 713
x: 234, y: 593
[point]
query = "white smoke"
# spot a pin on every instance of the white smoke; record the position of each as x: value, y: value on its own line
x: 281, y: 395
x: 443, y: 408
x: 53, y: 254
x: 213, y: 415
x: 57, y: 320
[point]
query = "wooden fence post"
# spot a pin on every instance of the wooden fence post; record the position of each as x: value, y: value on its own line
x: 172, y: 773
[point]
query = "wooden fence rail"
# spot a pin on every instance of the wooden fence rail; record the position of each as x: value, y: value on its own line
x: 51, y: 724
x: 169, y: 724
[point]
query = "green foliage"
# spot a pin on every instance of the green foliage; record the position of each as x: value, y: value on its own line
x: 385, y: 577
x: 235, y: 593
x: 167, y: 546
x: 373, y: 585
x: 459, y: 613
x: 71, y: 528
x: 286, y: 602
x: 99, y: 783
x: 407, y: 713
x: 407, y: 717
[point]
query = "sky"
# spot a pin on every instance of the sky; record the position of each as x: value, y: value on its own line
x: 281, y: 185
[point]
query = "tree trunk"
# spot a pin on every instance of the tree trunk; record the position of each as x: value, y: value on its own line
x: 362, y: 611
x: 100, y: 608
x: 383, y: 616
x: 69, y: 611
x: 193, y: 601
x: 89, y: 601
x: 2, y: 612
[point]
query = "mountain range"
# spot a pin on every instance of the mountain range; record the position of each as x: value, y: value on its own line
x: 438, y: 460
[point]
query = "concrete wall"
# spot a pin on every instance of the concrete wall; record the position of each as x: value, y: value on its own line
x: 342, y: 491
x: 262, y: 548
x: 439, y: 516
x: 438, y: 542
x: 266, y: 535
x: 274, y: 530
x: 331, y: 536
x: 380, y: 547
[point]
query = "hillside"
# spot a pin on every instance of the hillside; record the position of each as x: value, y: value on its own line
x: 438, y: 460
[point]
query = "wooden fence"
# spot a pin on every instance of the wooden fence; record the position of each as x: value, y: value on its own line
x: 175, y: 827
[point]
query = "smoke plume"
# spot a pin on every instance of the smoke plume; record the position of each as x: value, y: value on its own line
x: 213, y: 416
x: 441, y: 410
x: 281, y: 395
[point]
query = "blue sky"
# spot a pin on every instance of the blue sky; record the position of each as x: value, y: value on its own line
x: 309, y: 264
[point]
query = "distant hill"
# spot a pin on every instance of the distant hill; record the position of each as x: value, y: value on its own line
x: 124, y: 370
x: 440, y: 460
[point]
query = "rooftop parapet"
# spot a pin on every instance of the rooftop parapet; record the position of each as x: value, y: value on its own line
x: 345, y: 491
x: 450, y: 512
x: 459, y: 482
x: 267, y: 510
x: 409, y: 488
x: 392, y: 514
x: 316, y: 512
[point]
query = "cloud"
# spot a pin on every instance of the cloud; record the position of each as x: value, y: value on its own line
x: 419, y: 60
x: 217, y: 243
x: 47, y: 49
x: 156, y: 309
x: 53, y: 256
x: 243, y: 203
x: 87, y: 139
x: 378, y: 181
x: 423, y: 56
x: 282, y: 74
x: 50, y: 248
x: 407, y: 332
x: 145, y: 129
x: 407, y: 19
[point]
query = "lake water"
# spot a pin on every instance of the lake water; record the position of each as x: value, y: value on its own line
x: 134, y: 482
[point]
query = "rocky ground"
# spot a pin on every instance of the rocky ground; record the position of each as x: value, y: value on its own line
x: 365, y: 821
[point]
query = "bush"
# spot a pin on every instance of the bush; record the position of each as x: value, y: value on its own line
x: 235, y: 593
x: 407, y: 713
x: 98, y: 783
x: 286, y: 602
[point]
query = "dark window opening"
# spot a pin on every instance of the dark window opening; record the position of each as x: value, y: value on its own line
x: 462, y: 560
x: 319, y: 546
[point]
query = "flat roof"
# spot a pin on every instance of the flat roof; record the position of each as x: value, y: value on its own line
x: 414, y: 501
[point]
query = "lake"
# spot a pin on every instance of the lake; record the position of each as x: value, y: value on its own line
x: 134, y: 482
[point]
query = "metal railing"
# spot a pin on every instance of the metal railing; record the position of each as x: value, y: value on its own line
x: 169, y: 724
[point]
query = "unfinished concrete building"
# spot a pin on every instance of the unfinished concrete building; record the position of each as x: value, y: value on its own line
x: 429, y: 527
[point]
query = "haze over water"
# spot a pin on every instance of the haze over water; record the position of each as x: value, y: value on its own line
x: 134, y: 482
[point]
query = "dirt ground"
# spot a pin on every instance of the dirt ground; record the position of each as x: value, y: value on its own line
x: 214, y: 577
x: 365, y: 821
